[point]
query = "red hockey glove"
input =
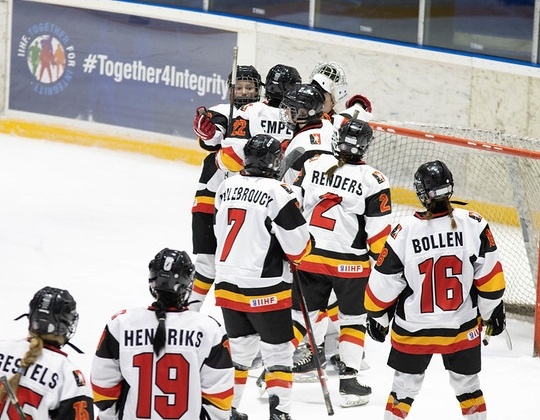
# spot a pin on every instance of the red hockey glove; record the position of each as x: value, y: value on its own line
x: 359, y: 99
x: 203, y: 125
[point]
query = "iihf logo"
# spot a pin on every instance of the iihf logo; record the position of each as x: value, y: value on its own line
x: 49, y: 56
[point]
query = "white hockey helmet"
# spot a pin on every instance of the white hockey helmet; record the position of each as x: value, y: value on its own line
x: 331, y: 77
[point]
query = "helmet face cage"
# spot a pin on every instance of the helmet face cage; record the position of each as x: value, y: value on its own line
x: 263, y: 156
x: 247, y: 86
x: 281, y: 79
x: 354, y: 139
x: 171, y: 271
x: 331, y: 77
x: 53, y: 311
x: 301, y: 105
x: 433, y: 181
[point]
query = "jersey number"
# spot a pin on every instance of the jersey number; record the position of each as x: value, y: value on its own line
x: 318, y: 218
x: 440, y: 286
x: 236, y: 218
x: 171, y: 376
x: 26, y: 397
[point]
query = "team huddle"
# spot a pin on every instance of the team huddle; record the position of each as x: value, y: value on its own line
x: 292, y: 230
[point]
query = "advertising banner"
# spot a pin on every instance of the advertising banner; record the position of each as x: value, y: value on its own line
x: 117, y: 69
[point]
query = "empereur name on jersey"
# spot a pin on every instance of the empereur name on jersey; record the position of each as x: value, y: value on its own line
x: 246, y: 194
x: 440, y: 240
x: 145, y: 337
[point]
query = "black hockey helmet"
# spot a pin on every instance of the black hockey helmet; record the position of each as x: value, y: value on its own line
x: 53, y: 311
x: 279, y: 80
x: 302, y: 104
x: 171, y: 271
x: 433, y: 181
x: 246, y: 73
x: 354, y: 139
x: 262, y: 156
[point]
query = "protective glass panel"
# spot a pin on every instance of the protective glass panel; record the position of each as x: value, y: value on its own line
x: 502, y: 28
x: 387, y: 19
x: 296, y: 12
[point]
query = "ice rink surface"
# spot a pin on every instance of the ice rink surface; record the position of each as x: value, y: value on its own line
x: 89, y: 220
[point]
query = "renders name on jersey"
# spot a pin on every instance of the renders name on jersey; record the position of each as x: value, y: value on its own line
x: 337, y: 181
x: 145, y: 337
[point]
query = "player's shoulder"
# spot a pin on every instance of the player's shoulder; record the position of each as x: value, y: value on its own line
x: 469, y: 216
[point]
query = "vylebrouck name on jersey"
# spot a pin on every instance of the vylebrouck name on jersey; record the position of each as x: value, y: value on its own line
x: 440, y: 240
x: 250, y: 195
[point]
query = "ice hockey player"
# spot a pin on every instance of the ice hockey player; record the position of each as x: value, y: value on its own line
x: 439, y: 277
x: 211, y: 127
x: 260, y: 231
x: 330, y: 76
x: 261, y: 117
x: 163, y: 360
x: 347, y: 205
x: 46, y: 384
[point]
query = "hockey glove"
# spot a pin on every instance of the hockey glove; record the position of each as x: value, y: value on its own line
x: 497, y: 322
x: 376, y: 330
x: 359, y: 99
x: 203, y: 125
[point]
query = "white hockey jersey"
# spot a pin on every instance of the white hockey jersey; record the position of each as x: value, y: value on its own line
x: 259, y: 228
x: 441, y: 278
x: 309, y: 141
x: 254, y: 118
x: 193, y: 374
x: 348, y: 215
x: 52, y: 388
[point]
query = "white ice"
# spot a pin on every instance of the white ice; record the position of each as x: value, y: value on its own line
x: 89, y: 220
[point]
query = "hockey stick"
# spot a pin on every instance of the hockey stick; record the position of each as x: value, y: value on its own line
x: 12, y: 397
x: 313, y: 345
x: 487, y: 337
x: 232, y: 88
x: 289, y: 161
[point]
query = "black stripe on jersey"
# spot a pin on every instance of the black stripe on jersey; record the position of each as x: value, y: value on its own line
x: 219, y: 357
x: 109, y: 348
x: 487, y: 242
x: 436, y: 332
x: 290, y: 217
x: 338, y: 255
x: 273, y: 261
x: 209, y: 168
x: 253, y: 291
x: 391, y: 264
x: 360, y: 240
x: 208, y: 147
x: 373, y: 204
